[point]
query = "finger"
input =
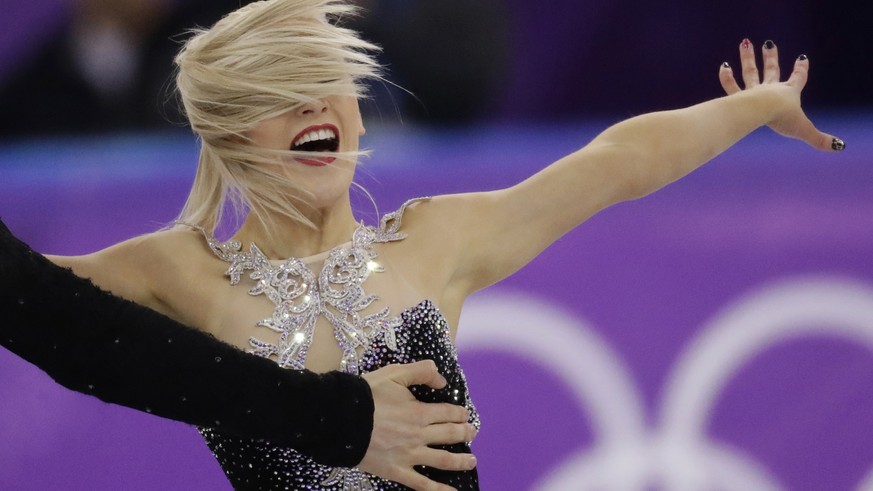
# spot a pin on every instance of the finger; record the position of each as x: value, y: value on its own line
x: 416, y: 481
x: 419, y: 373
x: 445, y: 460
x: 449, y: 433
x: 820, y: 140
x: 726, y: 77
x: 770, y: 56
x: 800, y: 74
x: 749, y: 64
x: 435, y: 413
x: 824, y: 141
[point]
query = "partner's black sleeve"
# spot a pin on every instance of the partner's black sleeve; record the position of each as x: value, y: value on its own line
x: 93, y: 342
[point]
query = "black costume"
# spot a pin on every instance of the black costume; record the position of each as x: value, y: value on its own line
x: 262, y: 465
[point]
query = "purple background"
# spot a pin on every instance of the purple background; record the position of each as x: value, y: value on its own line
x: 645, y: 276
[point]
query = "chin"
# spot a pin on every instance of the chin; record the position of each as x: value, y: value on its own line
x: 325, y: 197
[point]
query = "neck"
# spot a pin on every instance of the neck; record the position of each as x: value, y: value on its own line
x: 289, y: 238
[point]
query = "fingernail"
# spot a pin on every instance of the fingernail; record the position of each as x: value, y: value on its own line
x: 838, y: 145
x: 471, y: 461
x: 746, y: 43
x: 769, y: 44
x: 725, y: 65
x: 801, y: 57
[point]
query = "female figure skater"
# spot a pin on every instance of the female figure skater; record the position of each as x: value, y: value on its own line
x: 272, y: 91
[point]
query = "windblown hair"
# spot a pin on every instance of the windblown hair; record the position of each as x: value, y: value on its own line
x: 254, y: 64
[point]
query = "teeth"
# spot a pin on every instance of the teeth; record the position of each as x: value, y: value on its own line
x: 322, y: 134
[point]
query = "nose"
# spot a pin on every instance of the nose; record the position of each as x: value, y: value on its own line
x: 314, y: 108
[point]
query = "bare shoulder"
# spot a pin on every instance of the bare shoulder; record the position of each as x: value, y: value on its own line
x: 172, y: 245
x: 170, y: 257
x: 153, y: 252
x: 141, y: 267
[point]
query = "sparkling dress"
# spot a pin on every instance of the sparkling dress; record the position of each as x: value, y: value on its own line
x: 369, y: 339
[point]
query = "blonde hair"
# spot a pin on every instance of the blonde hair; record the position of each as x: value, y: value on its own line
x: 254, y: 64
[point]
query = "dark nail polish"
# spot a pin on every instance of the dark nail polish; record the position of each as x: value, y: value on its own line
x: 838, y: 145
x: 746, y: 43
x: 769, y: 44
x: 725, y: 65
x: 801, y: 57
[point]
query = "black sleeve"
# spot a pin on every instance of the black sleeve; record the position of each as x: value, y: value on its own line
x: 95, y: 343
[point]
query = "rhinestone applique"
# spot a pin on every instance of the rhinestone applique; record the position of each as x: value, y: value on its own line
x: 301, y: 298
x: 349, y: 479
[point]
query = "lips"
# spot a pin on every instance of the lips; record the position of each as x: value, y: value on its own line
x: 316, y: 162
x: 317, y: 138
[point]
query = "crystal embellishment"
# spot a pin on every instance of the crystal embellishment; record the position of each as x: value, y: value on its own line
x: 349, y: 479
x: 336, y: 294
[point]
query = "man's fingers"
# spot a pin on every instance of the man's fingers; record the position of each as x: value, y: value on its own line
x: 419, y: 373
x: 403, y: 427
x: 443, y: 412
x: 416, y: 481
x: 443, y: 459
x: 449, y: 433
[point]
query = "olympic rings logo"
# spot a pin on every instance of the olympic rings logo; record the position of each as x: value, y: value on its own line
x: 677, y: 454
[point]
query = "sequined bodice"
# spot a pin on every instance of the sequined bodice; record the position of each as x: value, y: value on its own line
x: 368, y: 342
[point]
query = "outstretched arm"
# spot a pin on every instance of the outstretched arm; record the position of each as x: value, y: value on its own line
x: 629, y: 160
x: 96, y: 343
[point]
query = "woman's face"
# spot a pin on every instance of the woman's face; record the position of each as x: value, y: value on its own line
x: 332, y: 124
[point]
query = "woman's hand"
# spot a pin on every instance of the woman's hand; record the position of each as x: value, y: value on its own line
x: 790, y: 122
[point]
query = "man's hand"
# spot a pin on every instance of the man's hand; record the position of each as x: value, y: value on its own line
x: 404, y: 427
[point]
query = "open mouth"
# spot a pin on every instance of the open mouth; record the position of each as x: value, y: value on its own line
x: 314, y: 139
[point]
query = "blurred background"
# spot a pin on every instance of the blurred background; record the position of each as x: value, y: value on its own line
x: 716, y: 335
x: 81, y: 66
